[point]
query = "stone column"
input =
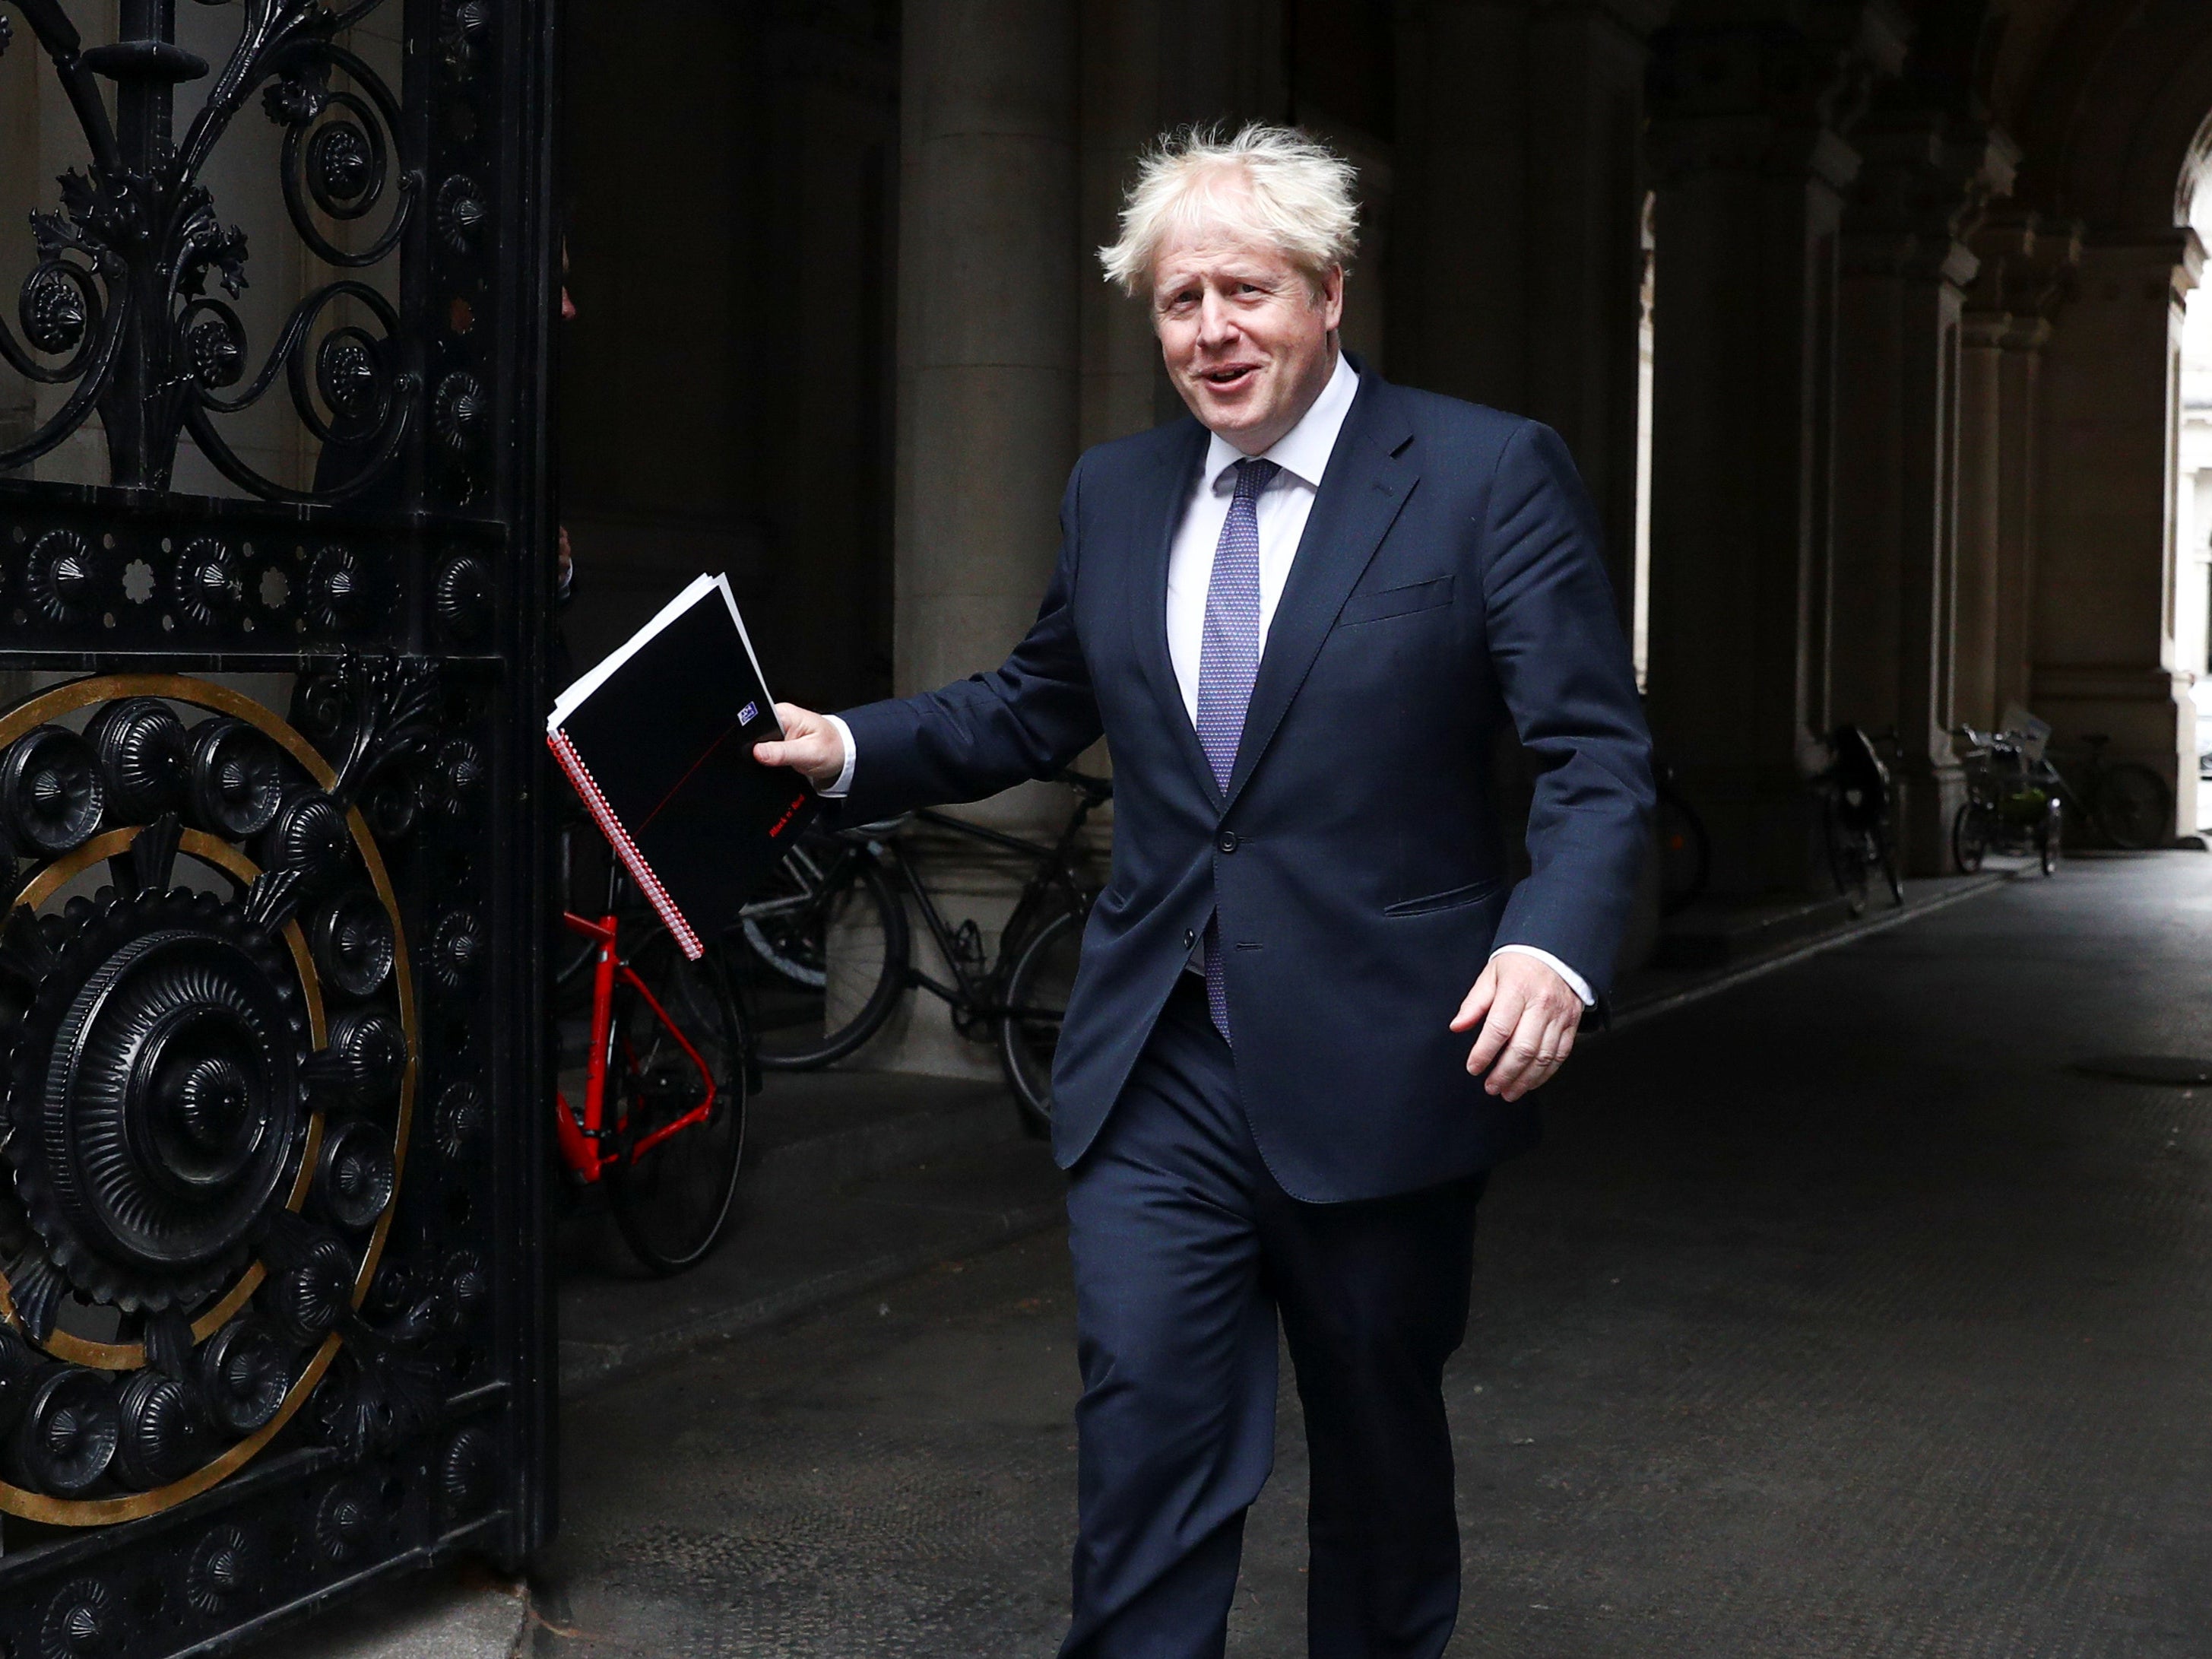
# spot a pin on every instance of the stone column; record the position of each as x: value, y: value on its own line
x: 1146, y: 69
x: 2104, y: 656
x: 1587, y: 66
x: 2019, y: 506
x: 1516, y: 262
x: 821, y: 155
x: 1750, y: 173
x: 1981, y: 487
x: 1895, y: 593
x: 2026, y: 261
x: 987, y: 335
x: 987, y: 400
x: 1460, y: 281
x: 1122, y: 112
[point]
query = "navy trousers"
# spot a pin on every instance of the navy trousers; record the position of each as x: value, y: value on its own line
x: 1185, y: 1254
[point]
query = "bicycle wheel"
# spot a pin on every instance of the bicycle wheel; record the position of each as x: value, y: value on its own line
x: 678, y: 1151
x: 1887, y: 845
x: 1847, y: 861
x: 1686, y: 854
x: 1969, y: 837
x: 2133, y: 808
x: 823, y: 959
x: 1036, y: 999
x: 2050, y: 834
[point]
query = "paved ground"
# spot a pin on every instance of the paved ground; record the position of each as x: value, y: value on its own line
x: 855, y: 1181
x: 851, y: 1182
x: 1838, y: 1316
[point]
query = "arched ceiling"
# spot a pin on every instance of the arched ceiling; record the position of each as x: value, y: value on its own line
x: 2106, y: 99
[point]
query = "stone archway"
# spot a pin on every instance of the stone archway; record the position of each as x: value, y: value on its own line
x: 2109, y: 105
x: 2192, y: 507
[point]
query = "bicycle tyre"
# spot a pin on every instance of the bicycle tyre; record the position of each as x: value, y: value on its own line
x: 2133, y: 808
x: 2050, y: 837
x: 672, y: 1200
x: 1970, y: 840
x: 1685, y: 854
x: 807, y: 1013
x: 1036, y: 998
x: 1847, y: 860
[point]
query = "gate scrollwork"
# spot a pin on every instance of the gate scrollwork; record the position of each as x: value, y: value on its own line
x: 119, y: 306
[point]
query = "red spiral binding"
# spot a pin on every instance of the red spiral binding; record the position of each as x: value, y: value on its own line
x: 626, y: 849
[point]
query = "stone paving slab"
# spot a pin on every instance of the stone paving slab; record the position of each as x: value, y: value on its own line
x: 458, y: 1614
x: 795, y: 1251
x: 1644, y: 992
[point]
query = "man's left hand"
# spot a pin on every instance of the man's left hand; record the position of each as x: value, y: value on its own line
x: 1528, y: 1017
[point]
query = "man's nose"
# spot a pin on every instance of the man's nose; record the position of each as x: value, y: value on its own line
x: 1216, y: 322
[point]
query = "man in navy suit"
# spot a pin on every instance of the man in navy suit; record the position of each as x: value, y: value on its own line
x: 1296, y: 618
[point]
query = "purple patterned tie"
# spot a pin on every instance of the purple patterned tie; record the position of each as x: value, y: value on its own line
x: 1228, y: 663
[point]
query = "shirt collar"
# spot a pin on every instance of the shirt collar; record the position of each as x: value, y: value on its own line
x: 1304, y: 450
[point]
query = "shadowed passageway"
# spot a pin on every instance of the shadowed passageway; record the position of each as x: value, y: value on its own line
x: 1838, y: 1316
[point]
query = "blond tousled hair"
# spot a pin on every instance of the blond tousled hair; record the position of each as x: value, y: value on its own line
x: 1275, y: 186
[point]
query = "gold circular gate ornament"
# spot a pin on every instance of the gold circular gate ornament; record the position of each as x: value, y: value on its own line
x: 182, y: 1124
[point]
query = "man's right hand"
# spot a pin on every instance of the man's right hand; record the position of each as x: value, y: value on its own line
x: 811, y: 746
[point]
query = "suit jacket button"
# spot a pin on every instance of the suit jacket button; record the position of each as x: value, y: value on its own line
x: 1228, y: 841
x: 1190, y: 938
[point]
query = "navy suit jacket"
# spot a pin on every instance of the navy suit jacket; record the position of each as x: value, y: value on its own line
x: 1449, y: 577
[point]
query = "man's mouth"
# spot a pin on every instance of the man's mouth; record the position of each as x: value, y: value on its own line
x: 1235, y: 374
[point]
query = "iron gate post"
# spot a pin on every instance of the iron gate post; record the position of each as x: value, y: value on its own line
x: 275, y: 1320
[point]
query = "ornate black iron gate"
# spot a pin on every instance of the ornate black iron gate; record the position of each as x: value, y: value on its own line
x: 273, y: 1315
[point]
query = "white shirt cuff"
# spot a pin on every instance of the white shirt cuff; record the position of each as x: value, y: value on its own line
x: 843, y: 786
x: 1576, y: 983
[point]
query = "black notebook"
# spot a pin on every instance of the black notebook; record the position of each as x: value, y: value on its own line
x: 659, y: 741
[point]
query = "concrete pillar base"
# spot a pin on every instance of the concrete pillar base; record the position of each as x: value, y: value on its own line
x: 2147, y: 714
x: 1763, y: 824
x: 1928, y: 795
x: 967, y: 883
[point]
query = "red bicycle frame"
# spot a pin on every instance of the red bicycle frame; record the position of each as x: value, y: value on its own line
x: 582, y: 1137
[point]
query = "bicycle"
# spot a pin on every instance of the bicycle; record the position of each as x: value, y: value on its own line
x: 827, y: 949
x: 1855, y: 818
x: 2126, y: 802
x: 2013, y: 802
x: 661, y: 1130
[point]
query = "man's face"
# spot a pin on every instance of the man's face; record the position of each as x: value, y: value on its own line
x: 1248, y: 342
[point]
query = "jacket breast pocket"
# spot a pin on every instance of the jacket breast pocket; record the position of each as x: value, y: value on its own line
x: 1387, y: 602
x: 1474, y: 892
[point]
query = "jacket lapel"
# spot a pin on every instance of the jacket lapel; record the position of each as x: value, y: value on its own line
x: 1176, y: 478
x: 1367, y: 485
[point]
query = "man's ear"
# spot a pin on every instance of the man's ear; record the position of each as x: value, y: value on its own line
x: 1332, y: 296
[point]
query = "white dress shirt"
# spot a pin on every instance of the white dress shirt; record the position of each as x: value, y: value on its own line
x: 1284, y: 505
x: 1302, y: 456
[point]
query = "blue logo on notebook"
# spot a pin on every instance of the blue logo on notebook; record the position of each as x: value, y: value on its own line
x: 750, y: 712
